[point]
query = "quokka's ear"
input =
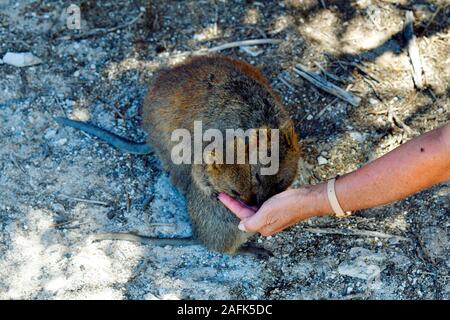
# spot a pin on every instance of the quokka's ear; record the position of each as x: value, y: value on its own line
x: 288, y: 135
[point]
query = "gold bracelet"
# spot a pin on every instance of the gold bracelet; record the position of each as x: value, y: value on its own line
x: 334, y: 203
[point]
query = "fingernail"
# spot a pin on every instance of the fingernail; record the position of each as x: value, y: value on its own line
x: 221, y: 195
x: 241, y: 227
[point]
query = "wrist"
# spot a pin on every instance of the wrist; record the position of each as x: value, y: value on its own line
x: 317, y: 203
x: 322, y: 201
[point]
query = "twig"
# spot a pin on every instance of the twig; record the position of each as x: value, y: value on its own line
x: 374, y: 89
x: 393, y: 117
x: 142, y: 266
x: 325, y: 72
x: 321, y: 112
x: 360, y: 68
x: 403, y: 125
x: 76, y: 225
x: 143, y: 239
x: 244, y: 43
x: 101, y: 31
x: 356, y: 296
x: 356, y: 232
x: 60, y: 104
x: 432, y: 18
x: 413, y: 50
x: 285, y: 82
x: 13, y: 158
x: 84, y: 200
x: 251, y: 52
x: 326, y: 85
x: 161, y: 224
x: 60, y: 224
x: 147, y: 201
x: 128, y: 200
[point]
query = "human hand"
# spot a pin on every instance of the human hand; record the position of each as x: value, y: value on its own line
x: 281, y: 211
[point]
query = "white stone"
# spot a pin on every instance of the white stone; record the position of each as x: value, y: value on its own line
x: 364, y: 264
x: 49, y: 134
x: 61, y: 142
x: 321, y: 160
x: 357, y: 136
x: 373, y: 101
x: 359, y: 269
x: 21, y: 59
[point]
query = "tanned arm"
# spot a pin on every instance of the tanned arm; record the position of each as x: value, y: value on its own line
x: 413, y: 166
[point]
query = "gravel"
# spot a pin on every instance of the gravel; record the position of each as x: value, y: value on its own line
x: 58, y: 186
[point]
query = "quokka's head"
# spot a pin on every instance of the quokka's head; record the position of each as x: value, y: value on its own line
x: 249, y: 182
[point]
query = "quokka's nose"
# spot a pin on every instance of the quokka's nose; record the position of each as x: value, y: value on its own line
x: 253, y: 201
x: 258, y: 200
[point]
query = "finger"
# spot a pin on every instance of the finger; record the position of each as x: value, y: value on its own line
x: 258, y: 221
x: 270, y: 229
x: 275, y: 228
x: 239, y: 209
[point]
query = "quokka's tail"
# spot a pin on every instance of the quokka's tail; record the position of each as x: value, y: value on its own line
x: 106, y: 136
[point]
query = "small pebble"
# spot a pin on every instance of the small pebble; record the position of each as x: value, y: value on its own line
x: 321, y: 160
x: 61, y: 142
x: 373, y: 101
x: 49, y: 134
x: 357, y: 136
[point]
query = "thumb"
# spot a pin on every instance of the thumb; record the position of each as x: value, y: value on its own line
x: 253, y: 223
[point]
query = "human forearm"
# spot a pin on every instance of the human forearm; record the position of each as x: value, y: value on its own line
x: 414, y: 166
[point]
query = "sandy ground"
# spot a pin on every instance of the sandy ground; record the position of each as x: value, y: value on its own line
x: 47, y: 173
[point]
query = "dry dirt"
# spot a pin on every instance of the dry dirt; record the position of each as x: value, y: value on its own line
x: 47, y: 172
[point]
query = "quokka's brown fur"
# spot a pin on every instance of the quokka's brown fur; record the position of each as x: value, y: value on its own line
x: 224, y: 94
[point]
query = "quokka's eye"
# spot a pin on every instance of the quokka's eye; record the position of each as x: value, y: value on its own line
x: 235, y: 193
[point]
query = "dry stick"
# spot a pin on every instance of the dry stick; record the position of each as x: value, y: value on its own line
x: 161, y: 224
x: 326, y: 85
x: 393, y: 117
x: 285, y: 82
x: 244, y: 43
x: 325, y: 72
x: 356, y: 232
x: 374, y: 89
x: 13, y: 159
x: 84, y: 200
x: 143, y: 239
x: 432, y: 18
x: 101, y: 31
x: 77, y: 225
x: 250, y: 52
x: 321, y: 112
x: 60, y: 224
x: 403, y: 125
x: 413, y: 50
x: 360, y: 68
